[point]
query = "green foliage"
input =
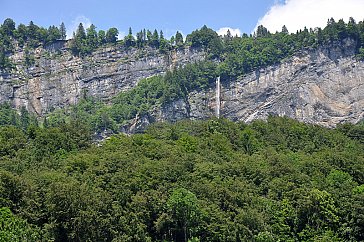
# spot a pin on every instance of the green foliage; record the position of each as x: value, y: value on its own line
x: 184, y: 212
x: 129, y: 39
x: 91, y: 38
x: 206, y: 38
x: 263, y: 32
x: 84, y: 42
x: 178, y: 39
x: 8, y: 27
x: 5, y: 62
x: 154, y: 42
x: 8, y: 116
x: 11, y: 190
x: 62, y: 31
x: 361, y: 54
x: 11, y: 140
x: 53, y: 34
x: 237, y: 55
x: 215, y: 180
x: 202, y: 38
x: 101, y: 37
x: 112, y: 35
x: 78, y: 43
x: 15, y: 229
x: 29, y: 58
x: 163, y: 43
x: 359, y: 189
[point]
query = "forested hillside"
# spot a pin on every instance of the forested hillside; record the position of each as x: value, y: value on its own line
x: 228, y: 57
x: 214, y: 180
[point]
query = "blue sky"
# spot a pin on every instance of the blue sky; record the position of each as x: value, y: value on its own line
x: 182, y: 15
x: 167, y: 15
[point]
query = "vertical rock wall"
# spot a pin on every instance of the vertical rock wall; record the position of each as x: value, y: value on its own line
x: 57, y: 79
x: 323, y: 86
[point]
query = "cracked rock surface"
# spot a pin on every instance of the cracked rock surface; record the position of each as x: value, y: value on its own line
x: 323, y: 86
x: 57, y: 79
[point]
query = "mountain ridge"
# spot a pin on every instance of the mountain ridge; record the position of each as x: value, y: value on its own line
x: 265, y: 74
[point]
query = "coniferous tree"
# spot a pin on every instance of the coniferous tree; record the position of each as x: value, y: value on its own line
x: 78, y: 44
x: 330, y: 30
x: 320, y: 37
x: 22, y: 34
x: 163, y: 44
x: 33, y: 34
x: 62, y: 30
x: 179, y: 39
x: 24, y: 118
x: 149, y: 37
x: 8, y: 27
x: 32, y: 28
x: 91, y: 38
x: 53, y: 34
x: 80, y: 33
x: 42, y: 35
x: 139, y: 40
x: 155, y: 39
x: 112, y: 35
x: 284, y: 29
x: 352, y: 29
x: 228, y: 36
x: 129, y: 39
x: 341, y: 29
x: 262, y: 31
x: 101, y: 37
x: 5, y: 63
x: 172, y: 41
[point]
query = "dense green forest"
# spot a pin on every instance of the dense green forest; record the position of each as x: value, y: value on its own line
x: 214, y: 180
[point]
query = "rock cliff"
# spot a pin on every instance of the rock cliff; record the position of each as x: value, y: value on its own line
x: 57, y: 79
x: 323, y: 86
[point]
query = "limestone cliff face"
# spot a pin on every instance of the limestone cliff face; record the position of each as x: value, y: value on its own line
x: 58, y: 79
x: 323, y: 86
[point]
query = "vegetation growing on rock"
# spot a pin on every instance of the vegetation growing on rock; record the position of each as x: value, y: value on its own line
x: 237, y: 54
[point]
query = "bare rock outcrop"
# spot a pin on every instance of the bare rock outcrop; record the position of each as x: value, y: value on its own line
x: 323, y: 86
x: 58, y: 79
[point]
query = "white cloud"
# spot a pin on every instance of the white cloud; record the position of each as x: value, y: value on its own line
x: 296, y: 14
x: 223, y: 31
x: 121, y: 35
x: 86, y: 22
x: 168, y: 33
